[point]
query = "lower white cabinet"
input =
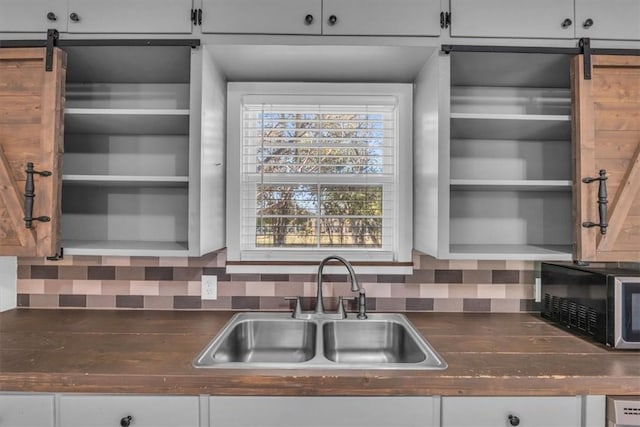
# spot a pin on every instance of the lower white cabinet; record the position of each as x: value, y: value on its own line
x: 512, y: 411
x: 26, y: 410
x: 252, y: 411
x: 115, y: 410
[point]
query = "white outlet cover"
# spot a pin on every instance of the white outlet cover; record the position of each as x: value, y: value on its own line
x: 209, y: 287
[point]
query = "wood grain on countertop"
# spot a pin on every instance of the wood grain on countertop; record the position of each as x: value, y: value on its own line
x: 152, y: 351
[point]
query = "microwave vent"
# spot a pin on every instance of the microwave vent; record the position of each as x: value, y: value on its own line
x: 571, y: 313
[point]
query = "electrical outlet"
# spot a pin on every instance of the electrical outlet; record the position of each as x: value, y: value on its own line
x: 209, y: 287
x: 538, y: 290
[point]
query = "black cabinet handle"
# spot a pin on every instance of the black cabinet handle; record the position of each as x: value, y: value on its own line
x: 74, y: 17
x: 308, y: 20
x: 567, y: 23
x: 52, y: 17
x: 513, y: 420
x: 333, y: 19
x: 588, y: 23
x: 602, y: 201
x: 29, y: 195
x: 126, y: 421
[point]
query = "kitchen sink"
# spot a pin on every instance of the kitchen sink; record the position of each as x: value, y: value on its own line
x: 277, y: 341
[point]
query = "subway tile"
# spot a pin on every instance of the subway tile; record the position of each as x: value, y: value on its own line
x: 274, y: 277
x: 187, y: 273
x: 406, y: 290
x: 186, y: 303
x: 260, y: 289
x: 335, y: 278
x: 505, y: 305
x: 304, y: 277
x: 476, y: 276
x: 505, y: 276
x: 87, y: 287
x: 129, y: 301
x: 392, y: 278
x: 285, y: 289
x: 246, y: 278
x: 74, y: 272
x: 158, y: 273
x: 528, y: 276
x: 44, y: 272
x: 525, y: 291
x: 101, y: 273
x: 143, y: 261
x: 44, y: 301
x: 492, y: 265
x: 57, y: 287
x: 24, y: 271
x: 194, y: 288
x: 530, y: 305
x: 220, y: 272
x: 173, y: 288
x: 155, y: 302
x: 30, y: 286
x: 391, y: 304
x: 101, y: 301
x: 421, y: 276
x: 144, y: 287
x: 231, y: 289
x: 434, y: 290
x: 448, y: 276
x: 491, y: 291
x: 457, y: 264
x: 116, y: 287
x: 476, y: 305
x: 222, y: 303
x: 463, y: 291
x: 377, y: 290
x: 245, y: 303
x: 372, y: 304
x: 430, y: 263
x: 130, y: 273
x: 72, y: 300
x: 85, y: 260
x: 419, y: 304
x: 116, y: 260
x: 23, y: 260
x: 173, y: 262
x: 520, y: 265
x: 274, y: 303
x: 447, y: 305
x: 23, y: 300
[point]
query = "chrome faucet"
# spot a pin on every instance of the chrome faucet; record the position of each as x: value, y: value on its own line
x: 340, y: 313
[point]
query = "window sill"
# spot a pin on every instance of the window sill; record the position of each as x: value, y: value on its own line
x: 305, y: 267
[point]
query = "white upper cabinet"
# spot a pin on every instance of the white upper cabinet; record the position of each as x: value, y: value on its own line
x: 262, y: 17
x: 129, y: 16
x: 330, y: 17
x: 33, y: 15
x: 381, y: 17
x: 512, y: 18
x: 613, y: 19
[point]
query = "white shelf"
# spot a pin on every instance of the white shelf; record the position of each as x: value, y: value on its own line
x: 510, y: 185
x: 510, y: 126
x: 512, y: 252
x: 124, y: 248
x: 113, y: 121
x: 126, y: 180
x: 511, y: 100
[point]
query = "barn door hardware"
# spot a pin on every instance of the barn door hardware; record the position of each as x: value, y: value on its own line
x: 602, y: 201
x: 52, y: 41
x: 29, y: 195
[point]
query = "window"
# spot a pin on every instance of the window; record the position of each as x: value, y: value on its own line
x: 319, y: 168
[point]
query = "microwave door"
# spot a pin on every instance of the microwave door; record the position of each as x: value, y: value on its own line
x: 627, y: 312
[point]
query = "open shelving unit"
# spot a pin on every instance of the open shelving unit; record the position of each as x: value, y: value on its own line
x: 126, y: 174
x: 510, y: 156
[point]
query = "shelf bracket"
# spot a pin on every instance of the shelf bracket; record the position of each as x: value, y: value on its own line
x: 585, y: 45
x: 52, y: 41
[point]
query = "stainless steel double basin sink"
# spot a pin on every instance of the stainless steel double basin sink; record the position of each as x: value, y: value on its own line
x: 277, y: 341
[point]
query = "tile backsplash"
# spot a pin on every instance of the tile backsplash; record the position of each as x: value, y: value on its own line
x: 159, y: 283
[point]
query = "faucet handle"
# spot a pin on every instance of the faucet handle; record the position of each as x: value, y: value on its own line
x: 297, y: 310
x: 341, y: 311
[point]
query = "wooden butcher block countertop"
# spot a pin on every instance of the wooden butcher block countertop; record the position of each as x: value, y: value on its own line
x: 152, y: 351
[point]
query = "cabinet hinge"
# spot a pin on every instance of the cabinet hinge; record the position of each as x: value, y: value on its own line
x: 196, y: 16
x: 445, y: 20
x: 52, y: 41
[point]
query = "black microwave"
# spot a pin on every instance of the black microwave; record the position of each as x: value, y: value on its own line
x: 602, y: 303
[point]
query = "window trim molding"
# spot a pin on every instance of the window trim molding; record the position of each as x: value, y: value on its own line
x: 403, y: 208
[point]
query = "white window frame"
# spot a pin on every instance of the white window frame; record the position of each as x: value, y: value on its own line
x: 403, y: 205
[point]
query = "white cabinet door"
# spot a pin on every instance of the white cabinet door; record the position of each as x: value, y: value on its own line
x: 381, y: 17
x: 512, y: 18
x: 33, y: 15
x: 129, y: 16
x: 228, y: 411
x: 612, y: 19
x: 145, y: 411
x: 21, y: 410
x: 511, y: 411
x: 262, y: 17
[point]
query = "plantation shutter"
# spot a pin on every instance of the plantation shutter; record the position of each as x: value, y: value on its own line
x: 318, y: 176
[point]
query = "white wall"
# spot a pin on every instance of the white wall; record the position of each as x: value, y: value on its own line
x: 8, y: 282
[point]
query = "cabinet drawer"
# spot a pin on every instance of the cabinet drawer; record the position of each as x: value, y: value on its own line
x: 145, y: 411
x: 26, y: 410
x: 495, y: 411
x: 251, y: 411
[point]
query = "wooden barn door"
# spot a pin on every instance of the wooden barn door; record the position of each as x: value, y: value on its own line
x: 607, y: 149
x: 31, y: 137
